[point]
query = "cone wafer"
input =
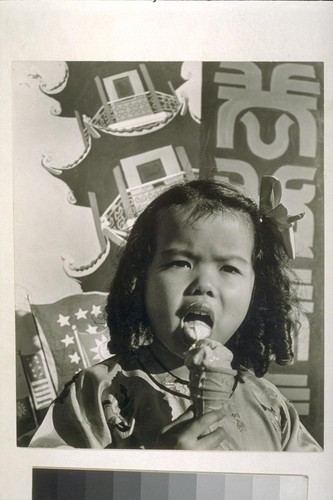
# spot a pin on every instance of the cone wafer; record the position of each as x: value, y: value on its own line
x: 211, y: 375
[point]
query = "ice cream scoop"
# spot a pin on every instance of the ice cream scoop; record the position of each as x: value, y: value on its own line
x: 197, y: 322
x: 208, y: 355
x: 211, y: 375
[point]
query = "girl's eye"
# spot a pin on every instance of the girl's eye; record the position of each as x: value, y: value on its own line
x: 230, y: 269
x: 181, y: 264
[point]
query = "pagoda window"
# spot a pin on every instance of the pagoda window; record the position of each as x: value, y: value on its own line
x: 151, y: 171
x: 150, y: 166
x: 123, y: 87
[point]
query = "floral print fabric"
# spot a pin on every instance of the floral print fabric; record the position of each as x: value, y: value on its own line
x: 125, y: 401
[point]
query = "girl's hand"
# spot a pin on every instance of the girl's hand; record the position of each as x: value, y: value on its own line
x: 185, y: 433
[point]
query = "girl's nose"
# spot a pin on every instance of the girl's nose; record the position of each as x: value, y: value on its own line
x: 202, y: 285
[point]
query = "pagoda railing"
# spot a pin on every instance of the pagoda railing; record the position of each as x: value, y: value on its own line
x: 140, y: 196
x: 117, y: 218
x: 158, y: 102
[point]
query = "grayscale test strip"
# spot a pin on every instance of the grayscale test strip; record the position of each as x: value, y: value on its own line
x: 124, y: 485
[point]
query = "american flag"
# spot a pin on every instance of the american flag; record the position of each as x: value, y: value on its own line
x: 73, y: 334
x: 38, y: 378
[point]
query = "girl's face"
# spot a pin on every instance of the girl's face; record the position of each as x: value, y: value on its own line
x: 201, y: 270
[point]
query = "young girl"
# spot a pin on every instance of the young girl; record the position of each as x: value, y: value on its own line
x: 202, y: 254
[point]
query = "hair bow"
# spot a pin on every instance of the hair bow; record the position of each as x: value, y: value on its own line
x: 270, y: 207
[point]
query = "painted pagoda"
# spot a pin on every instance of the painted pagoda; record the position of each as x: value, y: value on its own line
x: 138, y: 138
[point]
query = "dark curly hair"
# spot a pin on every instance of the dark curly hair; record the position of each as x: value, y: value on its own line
x: 266, y: 332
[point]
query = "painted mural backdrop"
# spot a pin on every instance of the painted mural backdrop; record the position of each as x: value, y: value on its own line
x: 142, y: 126
x: 267, y: 119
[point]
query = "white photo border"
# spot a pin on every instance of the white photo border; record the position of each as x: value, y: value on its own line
x: 170, y: 31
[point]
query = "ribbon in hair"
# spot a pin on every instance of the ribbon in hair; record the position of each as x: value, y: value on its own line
x: 270, y: 207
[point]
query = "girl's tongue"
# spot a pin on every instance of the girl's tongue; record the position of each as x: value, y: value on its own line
x: 197, y: 323
x: 196, y: 330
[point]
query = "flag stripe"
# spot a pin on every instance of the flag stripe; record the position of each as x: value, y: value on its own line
x: 40, y: 384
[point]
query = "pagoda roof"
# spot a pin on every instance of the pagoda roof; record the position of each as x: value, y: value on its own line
x: 80, y: 92
x: 93, y: 171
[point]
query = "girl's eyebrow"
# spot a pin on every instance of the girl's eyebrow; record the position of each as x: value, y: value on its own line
x: 239, y: 258
x: 171, y: 252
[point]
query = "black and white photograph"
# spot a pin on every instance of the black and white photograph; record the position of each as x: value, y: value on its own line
x: 176, y: 209
x: 165, y: 247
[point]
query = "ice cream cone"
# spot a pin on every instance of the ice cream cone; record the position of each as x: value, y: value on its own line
x: 211, y: 376
x: 210, y: 390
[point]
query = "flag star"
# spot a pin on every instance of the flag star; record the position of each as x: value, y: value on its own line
x: 75, y: 358
x: 101, y: 349
x: 68, y: 340
x: 81, y: 314
x: 63, y: 320
x: 92, y: 329
x: 96, y: 310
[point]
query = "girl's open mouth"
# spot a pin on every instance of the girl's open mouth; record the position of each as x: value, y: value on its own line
x: 197, y: 322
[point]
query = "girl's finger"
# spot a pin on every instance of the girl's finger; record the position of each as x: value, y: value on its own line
x: 184, y: 417
x: 201, y: 424
x: 211, y: 441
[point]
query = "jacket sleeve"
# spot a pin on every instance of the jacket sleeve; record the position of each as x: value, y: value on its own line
x: 76, y: 418
x: 295, y: 437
